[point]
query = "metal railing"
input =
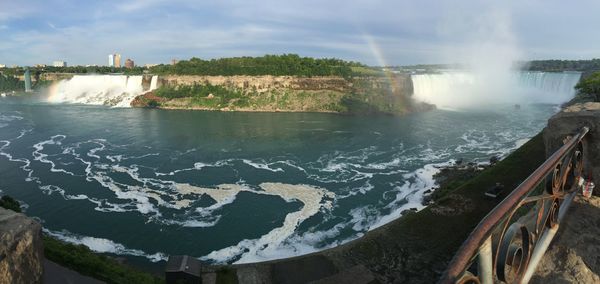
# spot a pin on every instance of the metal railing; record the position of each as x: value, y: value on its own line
x: 509, y: 242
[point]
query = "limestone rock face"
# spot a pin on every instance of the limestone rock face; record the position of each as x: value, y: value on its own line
x: 569, y: 123
x: 21, y: 248
x: 573, y: 255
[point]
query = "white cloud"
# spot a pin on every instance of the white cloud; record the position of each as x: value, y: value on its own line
x: 405, y: 32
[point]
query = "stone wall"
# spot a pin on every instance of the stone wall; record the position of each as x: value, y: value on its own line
x: 569, y: 122
x: 21, y: 248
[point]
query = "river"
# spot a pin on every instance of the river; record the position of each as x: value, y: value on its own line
x: 234, y: 187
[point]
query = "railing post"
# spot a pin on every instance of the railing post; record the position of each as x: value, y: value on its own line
x: 546, y: 238
x: 538, y: 252
x: 484, y: 260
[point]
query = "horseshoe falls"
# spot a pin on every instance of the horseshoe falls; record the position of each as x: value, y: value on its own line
x: 455, y: 90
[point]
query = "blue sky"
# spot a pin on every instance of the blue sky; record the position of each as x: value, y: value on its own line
x: 374, y: 32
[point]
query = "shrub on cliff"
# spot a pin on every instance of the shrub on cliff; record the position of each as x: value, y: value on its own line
x: 590, y: 86
x: 153, y: 104
x: 10, y: 83
x: 8, y: 202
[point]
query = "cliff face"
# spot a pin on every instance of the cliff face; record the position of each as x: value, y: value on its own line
x: 261, y: 83
x: 21, y: 248
x: 390, y: 94
x: 49, y: 76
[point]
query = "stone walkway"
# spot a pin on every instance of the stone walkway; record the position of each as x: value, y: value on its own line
x: 574, y: 255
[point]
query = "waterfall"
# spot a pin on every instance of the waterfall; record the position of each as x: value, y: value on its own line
x: 464, y: 89
x: 154, y: 83
x: 111, y: 90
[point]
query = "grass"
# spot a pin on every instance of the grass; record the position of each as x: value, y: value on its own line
x: 81, y: 259
x: 366, y: 71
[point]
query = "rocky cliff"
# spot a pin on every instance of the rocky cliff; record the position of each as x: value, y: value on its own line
x: 21, y: 248
x: 261, y: 84
x: 390, y: 94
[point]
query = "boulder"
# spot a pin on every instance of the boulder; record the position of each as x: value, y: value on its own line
x: 21, y: 248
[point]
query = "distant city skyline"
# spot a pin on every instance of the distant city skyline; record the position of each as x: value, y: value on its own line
x: 373, y: 32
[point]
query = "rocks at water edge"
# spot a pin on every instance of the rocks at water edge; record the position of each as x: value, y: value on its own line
x: 21, y: 248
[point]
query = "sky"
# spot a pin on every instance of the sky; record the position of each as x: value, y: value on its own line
x: 374, y: 32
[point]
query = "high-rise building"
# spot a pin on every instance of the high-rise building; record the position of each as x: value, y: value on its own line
x: 59, y: 63
x: 117, y: 60
x: 129, y: 63
x: 174, y: 61
x: 114, y: 60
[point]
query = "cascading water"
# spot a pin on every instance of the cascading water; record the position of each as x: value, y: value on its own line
x: 154, y: 83
x: 463, y: 89
x: 111, y: 90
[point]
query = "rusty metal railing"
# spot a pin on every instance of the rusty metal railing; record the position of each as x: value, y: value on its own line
x: 510, y: 241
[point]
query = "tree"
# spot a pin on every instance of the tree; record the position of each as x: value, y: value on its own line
x: 590, y: 86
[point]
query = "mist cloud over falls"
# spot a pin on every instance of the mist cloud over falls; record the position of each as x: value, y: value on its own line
x: 487, y: 48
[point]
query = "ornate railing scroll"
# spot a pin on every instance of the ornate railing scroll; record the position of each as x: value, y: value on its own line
x: 510, y: 241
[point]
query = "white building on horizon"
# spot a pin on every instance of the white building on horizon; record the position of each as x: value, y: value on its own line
x: 59, y: 63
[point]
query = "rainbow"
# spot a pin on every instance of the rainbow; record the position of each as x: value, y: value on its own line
x: 380, y: 58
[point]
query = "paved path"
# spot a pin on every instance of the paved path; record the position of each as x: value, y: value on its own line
x: 56, y: 274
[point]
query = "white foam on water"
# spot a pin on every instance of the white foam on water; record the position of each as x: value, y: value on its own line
x: 410, y: 193
x: 291, y: 164
x: 196, y: 167
x: 353, y: 191
x: 26, y: 163
x: 39, y: 156
x: 261, y: 165
x: 269, y: 245
x: 102, y: 245
x: 521, y: 142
